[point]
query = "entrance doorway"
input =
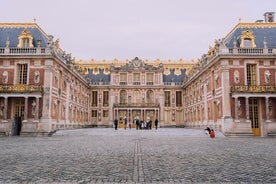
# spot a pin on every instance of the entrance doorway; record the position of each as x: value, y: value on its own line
x: 18, y: 115
x: 254, y: 116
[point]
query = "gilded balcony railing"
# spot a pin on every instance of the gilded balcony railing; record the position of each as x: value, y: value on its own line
x: 20, y: 88
x: 253, y: 89
x: 133, y: 105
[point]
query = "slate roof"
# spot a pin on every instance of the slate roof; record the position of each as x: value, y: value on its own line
x: 100, y: 77
x: 12, y: 31
x: 260, y: 31
x: 174, y: 78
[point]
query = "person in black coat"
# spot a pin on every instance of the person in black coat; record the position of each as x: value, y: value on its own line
x: 156, y: 123
x: 116, y: 123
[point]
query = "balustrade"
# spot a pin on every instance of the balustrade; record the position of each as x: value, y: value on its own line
x: 20, y: 88
x: 129, y: 105
x: 253, y: 89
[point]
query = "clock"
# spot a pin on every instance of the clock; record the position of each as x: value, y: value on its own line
x: 136, y: 63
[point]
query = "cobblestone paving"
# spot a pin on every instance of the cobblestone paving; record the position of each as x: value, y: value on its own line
x: 137, y: 156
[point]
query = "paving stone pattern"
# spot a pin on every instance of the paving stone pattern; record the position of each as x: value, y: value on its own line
x: 137, y: 156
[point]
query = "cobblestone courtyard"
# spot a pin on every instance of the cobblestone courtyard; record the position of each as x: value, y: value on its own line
x: 137, y: 156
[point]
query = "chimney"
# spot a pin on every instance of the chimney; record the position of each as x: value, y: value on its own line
x: 269, y: 16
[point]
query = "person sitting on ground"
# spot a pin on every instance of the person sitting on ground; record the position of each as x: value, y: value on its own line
x: 207, y: 130
x: 212, y: 133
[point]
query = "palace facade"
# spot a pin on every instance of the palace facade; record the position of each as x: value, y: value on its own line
x: 232, y: 88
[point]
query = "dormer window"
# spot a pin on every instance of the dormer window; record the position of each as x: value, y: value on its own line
x: 26, y: 43
x: 246, y: 43
x: 25, y: 39
x: 247, y: 39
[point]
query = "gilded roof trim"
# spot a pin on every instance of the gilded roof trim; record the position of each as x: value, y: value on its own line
x: 251, y: 25
x: 22, y: 25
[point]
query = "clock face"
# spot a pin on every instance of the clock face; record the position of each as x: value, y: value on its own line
x: 136, y: 63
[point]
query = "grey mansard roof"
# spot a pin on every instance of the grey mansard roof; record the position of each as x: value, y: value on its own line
x: 262, y: 31
x: 172, y: 77
x: 11, y: 31
x: 99, y: 77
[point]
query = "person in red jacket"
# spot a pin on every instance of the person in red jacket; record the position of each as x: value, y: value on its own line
x: 212, y: 133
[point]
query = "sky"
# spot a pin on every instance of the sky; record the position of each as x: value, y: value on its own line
x: 125, y: 29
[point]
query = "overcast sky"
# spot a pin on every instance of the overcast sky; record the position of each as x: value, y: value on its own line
x: 124, y: 29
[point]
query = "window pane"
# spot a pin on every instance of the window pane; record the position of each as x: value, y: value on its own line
x: 94, y: 113
x: 178, y: 99
x: 105, y: 113
x: 94, y: 98
x: 22, y: 73
x: 149, y: 77
x: 105, y: 98
x: 123, y: 97
x: 167, y: 99
x: 136, y: 77
x: 251, y: 74
x: 123, y: 77
x: 247, y: 43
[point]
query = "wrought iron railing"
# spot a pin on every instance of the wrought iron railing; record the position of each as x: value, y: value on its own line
x: 253, y: 89
x: 20, y: 88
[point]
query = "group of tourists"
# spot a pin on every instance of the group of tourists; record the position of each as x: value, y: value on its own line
x: 140, y: 124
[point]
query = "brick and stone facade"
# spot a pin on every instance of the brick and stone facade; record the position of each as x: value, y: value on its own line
x: 232, y: 88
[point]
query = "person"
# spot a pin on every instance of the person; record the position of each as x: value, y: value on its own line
x: 116, y: 123
x: 125, y: 119
x: 207, y: 131
x: 150, y: 124
x: 156, y: 123
x: 212, y: 133
x: 129, y: 125
x: 19, y: 125
x: 137, y: 124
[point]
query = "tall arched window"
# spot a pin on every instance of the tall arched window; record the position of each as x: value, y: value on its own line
x: 150, y: 96
x: 137, y: 97
x: 123, y: 97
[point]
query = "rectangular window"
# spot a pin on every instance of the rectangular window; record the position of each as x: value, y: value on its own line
x: 94, y: 113
x: 123, y: 78
x: 94, y: 98
x: 251, y: 74
x: 178, y: 99
x: 149, y: 78
x: 167, y: 98
x: 136, y: 79
x: 26, y: 43
x: 105, y: 113
x: 19, y: 107
x: 22, y: 73
x: 105, y: 98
